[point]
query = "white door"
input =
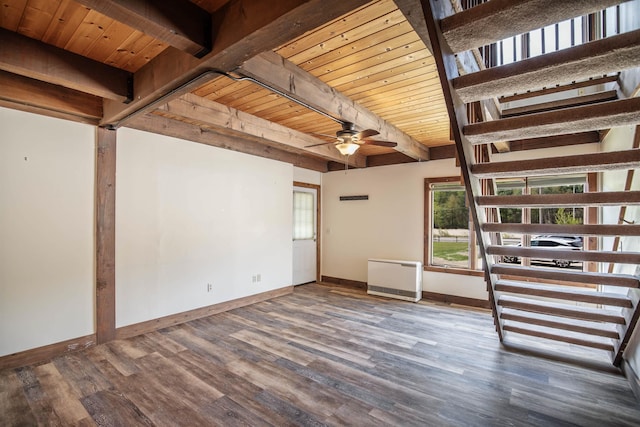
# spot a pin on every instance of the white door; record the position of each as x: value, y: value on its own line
x: 304, y: 234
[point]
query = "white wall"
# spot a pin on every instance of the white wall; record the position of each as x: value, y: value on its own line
x: 391, y: 223
x: 307, y: 176
x: 388, y: 225
x: 47, y: 180
x: 187, y: 215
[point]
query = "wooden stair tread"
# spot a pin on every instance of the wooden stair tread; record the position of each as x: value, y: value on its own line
x: 583, y: 163
x: 605, y: 198
x: 617, y: 257
x: 564, y: 310
x: 604, y: 96
x: 596, y: 58
x: 594, y: 343
x: 563, y: 292
x: 571, y: 229
x: 604, y: 115
x: 586, y: 327
x: 623, y: 280
x: 467, y: 29
x: 560, y: 88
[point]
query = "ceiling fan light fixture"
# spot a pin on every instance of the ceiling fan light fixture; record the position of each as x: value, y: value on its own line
x: 347, y: 148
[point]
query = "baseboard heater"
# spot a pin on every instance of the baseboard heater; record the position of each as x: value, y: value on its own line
x: 395, y: 279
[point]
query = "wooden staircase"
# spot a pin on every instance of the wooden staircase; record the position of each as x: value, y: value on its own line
x: 550, y: 303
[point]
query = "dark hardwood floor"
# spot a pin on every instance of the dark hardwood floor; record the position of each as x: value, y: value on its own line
x: 320, y: 356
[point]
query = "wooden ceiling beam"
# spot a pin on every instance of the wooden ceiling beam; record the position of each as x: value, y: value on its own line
x: 190, y: 132
x: 388, y: 159
x: 30, y: 58
x: 272, y: 69
x: 243, y: 29
x: 178, y: 23
x: 35, y: 96
x: 412, y: 11
x: 218, y: 115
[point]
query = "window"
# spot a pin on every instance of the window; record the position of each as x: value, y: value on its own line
x: 303, y: 213
x: 450, y: 239
x: 554, y: 215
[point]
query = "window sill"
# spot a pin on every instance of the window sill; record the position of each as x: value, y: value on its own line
x: 454, y: 270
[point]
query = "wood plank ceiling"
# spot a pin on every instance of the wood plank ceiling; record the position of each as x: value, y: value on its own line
x: 356, y: 52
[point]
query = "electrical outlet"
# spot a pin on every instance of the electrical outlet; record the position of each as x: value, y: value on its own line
x: 258, y: 278
x: 209, y: 287
x: 254, y: 279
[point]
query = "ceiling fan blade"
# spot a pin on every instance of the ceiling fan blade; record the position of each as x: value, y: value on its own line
x: 380, y: 143
x: 365, y: 134
x: 317, y: 145
x: 323, y: 134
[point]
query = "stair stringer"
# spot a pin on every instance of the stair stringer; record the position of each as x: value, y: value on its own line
x: 448, y: 70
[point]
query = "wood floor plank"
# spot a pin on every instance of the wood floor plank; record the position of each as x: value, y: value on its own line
x: 234, y: 387
x: 111, y: 408
x: 64, y: 400
x: 273, y: 345
x: 81, y: 374
x: 323, y: 355
x: 41, y: 404
x: 14, y: 405
x: 305, y: 394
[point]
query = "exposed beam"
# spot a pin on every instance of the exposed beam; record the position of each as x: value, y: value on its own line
x: 243, y: 29
x: 388, y: 159
x: 596, y: 58
x: 442, y: 152
x: 412, y: 11
x: 595, y: 162
x: 38, y: 97
x: 239, y: 123
x: 274, y: 70
x: 166, y: 126
x: 105, y: 235
x: 585, y: 118
x: 178, y: 23
x: 31, y: 58
x: 468, y: 29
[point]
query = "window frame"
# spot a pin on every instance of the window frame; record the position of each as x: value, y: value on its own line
x: 428, y: 219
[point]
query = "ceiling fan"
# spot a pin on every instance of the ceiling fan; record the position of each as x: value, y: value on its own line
x: 349, y: 140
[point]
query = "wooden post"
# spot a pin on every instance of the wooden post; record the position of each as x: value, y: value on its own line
x: 105, y: 235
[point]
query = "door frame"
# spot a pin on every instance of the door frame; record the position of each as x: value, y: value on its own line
x: 318, y: 219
